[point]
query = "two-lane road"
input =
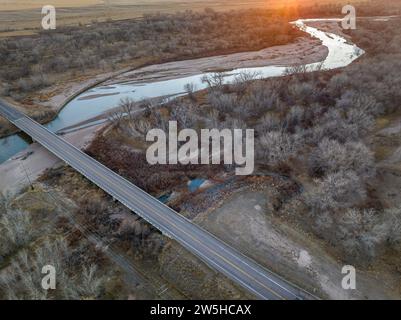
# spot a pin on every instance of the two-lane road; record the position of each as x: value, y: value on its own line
x: 214, y: 252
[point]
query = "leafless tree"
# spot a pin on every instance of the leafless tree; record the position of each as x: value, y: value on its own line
x: 115, y: 117
x: 331, y: 156
x: 128, y: 107
x: 16, y: 230
x: 277, y: 146
x: 336, y: 191
x: 190, y: 89
x: 23, y: 281
x: 214, y: 81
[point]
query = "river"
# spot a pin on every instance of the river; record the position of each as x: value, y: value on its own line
x: 97, y: 100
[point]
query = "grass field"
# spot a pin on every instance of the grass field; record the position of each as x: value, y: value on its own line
x: 23, y: 17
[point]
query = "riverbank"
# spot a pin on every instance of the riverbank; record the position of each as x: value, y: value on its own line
x: 248, y: 220
x: 51, y: 100
x: 26, y: 166
x: 56, y: 97
x: 305, y: 50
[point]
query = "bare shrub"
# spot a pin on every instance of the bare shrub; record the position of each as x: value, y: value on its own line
x: 261, y: 97
x: 88, y: 285
x: 20, y: 282
x: 297, y: 71
x: 214, y: 81
x: 333, y: 126
x: 183, y: 115
x: 330, y: 156
x: 142, y: 126
x: 213, y: 119
x: 295, y: 118
x: 363, y: 102
x: 16, y: 230
x: 24, y: 276
x: 338, y: 83
x: 190, y: 89
x: 115, y: 117
x: 301, y: 92
x: 361, y: 119
x: 128, y: 106
x: 224, y: 103
x: 337, y: 190
x: 393, y: 218
x: 111, y: 44
x: 23, y: 281
x: 270, y: 122
x: 243, y: 80
x: 233, y: 123
x: 277, y: 146
x: 365, y: 234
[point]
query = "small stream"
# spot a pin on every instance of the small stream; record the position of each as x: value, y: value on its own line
x: 97, y: 100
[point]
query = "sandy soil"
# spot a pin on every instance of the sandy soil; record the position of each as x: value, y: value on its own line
x: 58, y: 96
x: 305, y: 50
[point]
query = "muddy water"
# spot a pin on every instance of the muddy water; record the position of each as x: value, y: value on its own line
x: 96, y: 101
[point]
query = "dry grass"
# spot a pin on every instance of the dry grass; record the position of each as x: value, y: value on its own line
x: 24, y: 16
x: 33, y: 4
x: 155, y: 4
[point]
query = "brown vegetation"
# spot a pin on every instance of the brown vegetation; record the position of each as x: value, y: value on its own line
x: 33, y: 63
x: 36, y: 235
x: 312, y: 127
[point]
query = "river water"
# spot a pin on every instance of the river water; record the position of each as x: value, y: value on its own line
x: 97, y: 100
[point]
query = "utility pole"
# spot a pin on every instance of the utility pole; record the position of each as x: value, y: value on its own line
x: 27, y: 176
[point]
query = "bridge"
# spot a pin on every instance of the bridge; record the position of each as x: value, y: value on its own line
x: 218, y: 255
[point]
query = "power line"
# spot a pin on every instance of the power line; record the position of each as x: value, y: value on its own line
x: 89, y: 231
x: 27, y: 176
